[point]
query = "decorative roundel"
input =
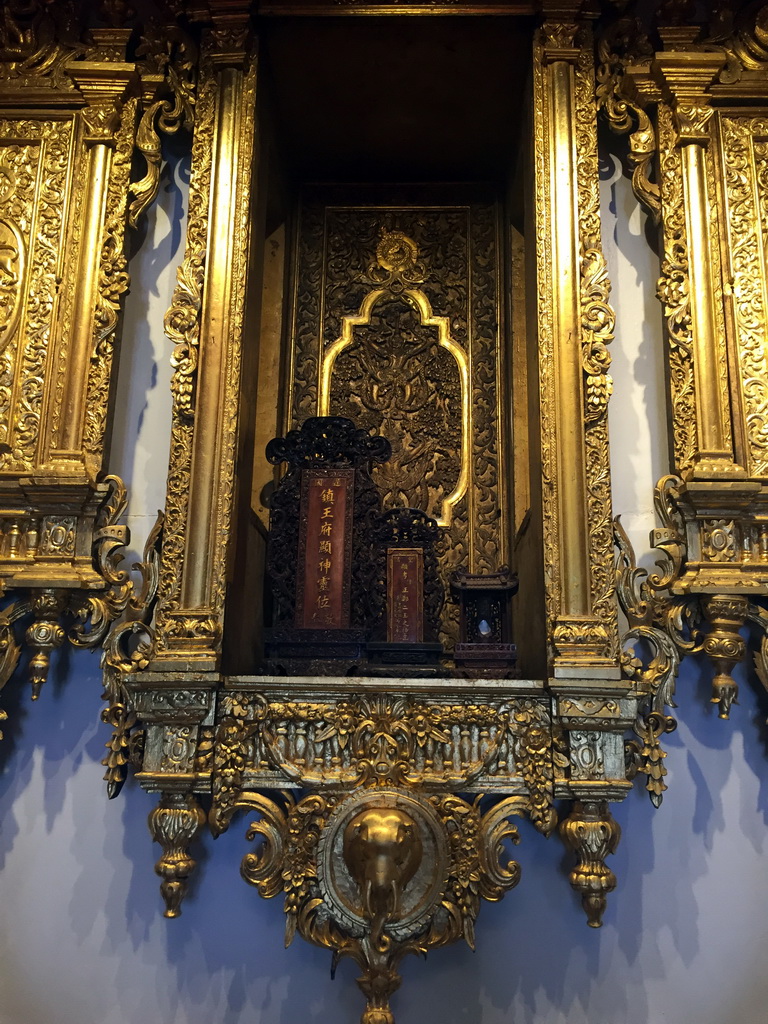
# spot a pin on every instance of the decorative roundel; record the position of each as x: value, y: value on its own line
x: 397, y: 252
x: 422, y: 894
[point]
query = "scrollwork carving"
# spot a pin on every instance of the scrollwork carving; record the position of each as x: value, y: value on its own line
x: 170, y: 66
x: 182, y: 327
x: 597, y: 322
x: 10, y: 649
x: 375, y: 875
x: 622, y: 43
x: 128, y: 645
x: 674, y: 295
x: 36, y: 41
x: 661, y: 628
x: 33, y: 171
x: 746, y: 188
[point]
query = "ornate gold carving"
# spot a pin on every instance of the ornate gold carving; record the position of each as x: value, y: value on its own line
x: 724, y: 645
x: 175, y: 823
x: 744, y: 38
x: 674, y: 293
x: 745, y: 176
x: 199, y: 507
x: 546, y: 342
x: 36, y: 41
x: 591, y: 833
x: 598, y: 321
x: 170, y: 66
x: 182, y: 325
x: 376, y: 874
x: 44, y: 635
x: 426, y: 371
x: 597, y: 324
x: 692, y: 122
x: 112, y: 285
x: 10, y: 649
x: 128, y: 646
x: 662, y: 625
x: 379, y: 741
x: 399, y: 378
x: 13, y: 265
x: 685, y: 78
x: 98, y: 611
x: 586, y: 762
x: 559, y: 39
x: 718, y: 543
x: 382, y: 851
x: 34, y: 157
x: 585, y: 638
x: 623, y: 43
x: 575, y: 467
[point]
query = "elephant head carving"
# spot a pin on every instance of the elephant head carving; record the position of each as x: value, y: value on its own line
x: 382, y: 850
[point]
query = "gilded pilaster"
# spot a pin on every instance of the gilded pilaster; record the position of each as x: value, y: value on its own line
x: 103, y: 84
x: 685, y: 78
x: 206, y: 323
x: 575, y: 323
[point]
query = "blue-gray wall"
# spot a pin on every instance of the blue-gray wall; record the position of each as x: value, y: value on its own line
x: 83, y: 940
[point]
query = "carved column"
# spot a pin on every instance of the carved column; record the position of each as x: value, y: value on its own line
x: 103, y: 85
x: 574, y: 327
x: 686, y: 76
x: 206, y: 320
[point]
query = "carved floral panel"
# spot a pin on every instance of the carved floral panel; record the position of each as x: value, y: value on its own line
x: 745, y: 181
x: 396, y: 324
x: 34, y: 162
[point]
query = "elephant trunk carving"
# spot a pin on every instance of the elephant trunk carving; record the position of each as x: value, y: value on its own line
x: 382, y: 850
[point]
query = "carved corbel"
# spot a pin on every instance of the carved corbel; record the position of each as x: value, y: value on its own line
x: 169, y: 94
x: 375, y: 874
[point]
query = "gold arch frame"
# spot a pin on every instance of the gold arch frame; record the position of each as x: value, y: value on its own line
x: 428, y: 319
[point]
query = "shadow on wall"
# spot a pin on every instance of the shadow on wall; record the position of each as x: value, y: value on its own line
x: 79, y: 888
x: 84, y: 939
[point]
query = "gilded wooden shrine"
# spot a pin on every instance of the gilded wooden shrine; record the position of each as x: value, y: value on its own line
x: 430, y: 361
